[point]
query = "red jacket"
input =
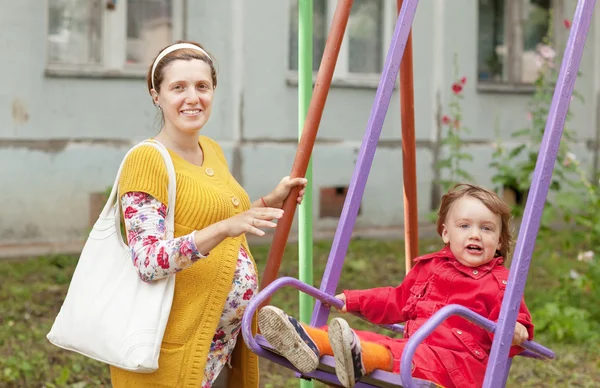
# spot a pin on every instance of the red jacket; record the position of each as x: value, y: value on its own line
x: 457, y: 348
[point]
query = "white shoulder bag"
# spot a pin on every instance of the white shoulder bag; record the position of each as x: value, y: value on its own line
x: 109, y: 313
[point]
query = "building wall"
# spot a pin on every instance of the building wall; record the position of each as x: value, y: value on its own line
x: 62, y: 138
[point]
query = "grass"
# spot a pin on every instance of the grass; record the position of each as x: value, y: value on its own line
x: 32, y: 290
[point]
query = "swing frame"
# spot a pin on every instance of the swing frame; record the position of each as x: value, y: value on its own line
x: 498, y: 363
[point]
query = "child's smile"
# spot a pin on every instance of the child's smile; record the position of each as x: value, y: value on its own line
x: 474, y: 249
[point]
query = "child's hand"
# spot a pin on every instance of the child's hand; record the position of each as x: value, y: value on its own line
x: 342, y: 297
x: 520, y: 335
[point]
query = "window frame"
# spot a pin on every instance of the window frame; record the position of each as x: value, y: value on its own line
x: 342, y: 77
x: 114, y: 45
x: 513, y: 11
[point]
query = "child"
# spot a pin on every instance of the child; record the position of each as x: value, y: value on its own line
x: 474, y: 225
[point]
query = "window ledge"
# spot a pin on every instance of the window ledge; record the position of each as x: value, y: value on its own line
x: 505, y: 88
x: 90, y: 72
x: 369, y: 81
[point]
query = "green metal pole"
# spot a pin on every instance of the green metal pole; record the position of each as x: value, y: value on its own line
x: 305, y: 224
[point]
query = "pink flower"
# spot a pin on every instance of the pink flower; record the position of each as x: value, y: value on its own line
x: 129, y: 212
x: 162, y: 258
x: 457, y: 88
x: 248, y: 294
x: 445, y: 120
x: 545, y: 56
x: 132, y: 236
x: 219, y: 335
x: 567, y: 23
x: 149, y: 240
x: 139, y: 197
x: 150, y: 249
x: 546, y: 52
x: 186, y: 248
x: 463, y: 80
x: 162, y: 210
x: 570, y: 158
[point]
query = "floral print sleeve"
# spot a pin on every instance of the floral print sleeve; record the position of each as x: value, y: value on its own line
x: 153, y: 256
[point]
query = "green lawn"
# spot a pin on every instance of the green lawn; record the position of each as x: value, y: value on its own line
x: 31, y: 292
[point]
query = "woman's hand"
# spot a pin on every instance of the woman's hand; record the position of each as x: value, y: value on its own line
x: 279, y: 194
x: 251, y: 221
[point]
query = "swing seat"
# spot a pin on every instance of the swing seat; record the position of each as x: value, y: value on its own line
x: 326, y: 370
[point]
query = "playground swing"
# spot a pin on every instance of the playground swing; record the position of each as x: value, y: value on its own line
x: 499, y: 363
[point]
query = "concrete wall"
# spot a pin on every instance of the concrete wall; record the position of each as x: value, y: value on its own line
x: 62, y: 138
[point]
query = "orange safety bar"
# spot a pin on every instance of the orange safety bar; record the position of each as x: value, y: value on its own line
x: 409, y: 165
x: 309, y: 135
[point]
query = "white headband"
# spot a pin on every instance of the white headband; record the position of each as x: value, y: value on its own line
x: 172, y: 48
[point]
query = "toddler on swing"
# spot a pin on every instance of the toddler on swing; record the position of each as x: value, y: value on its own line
x: 474, y: 224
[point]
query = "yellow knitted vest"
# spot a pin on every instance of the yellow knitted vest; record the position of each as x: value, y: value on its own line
x: 205, y: 195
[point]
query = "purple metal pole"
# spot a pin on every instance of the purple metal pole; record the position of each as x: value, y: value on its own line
x: 494, y: 376
x: 365, y: 159
x: 440, y: 316
x: 506, y: 371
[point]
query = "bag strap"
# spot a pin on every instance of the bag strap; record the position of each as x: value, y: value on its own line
x: 112, y: 202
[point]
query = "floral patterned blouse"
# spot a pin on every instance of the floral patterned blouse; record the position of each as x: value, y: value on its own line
x: 155, y: 257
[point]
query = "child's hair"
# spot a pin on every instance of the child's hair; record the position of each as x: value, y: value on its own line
x: 490, y: 200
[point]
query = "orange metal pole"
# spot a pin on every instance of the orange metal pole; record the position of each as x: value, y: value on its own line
x: 309, y: 135
x: 407, y: 115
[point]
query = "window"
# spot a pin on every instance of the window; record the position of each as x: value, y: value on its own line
x: 368, y: 33
x: 87, y: 36
x: 319, y: 33
x: 510, y: 35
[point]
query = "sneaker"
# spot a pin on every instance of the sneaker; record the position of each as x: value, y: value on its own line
x: 289, y: 338
x: 345, y: 343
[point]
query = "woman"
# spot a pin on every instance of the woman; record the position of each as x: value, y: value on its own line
x: 216, y: 275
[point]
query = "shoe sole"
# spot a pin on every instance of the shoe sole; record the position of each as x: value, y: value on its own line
x: 340, y: 334
x: 281, y: 334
